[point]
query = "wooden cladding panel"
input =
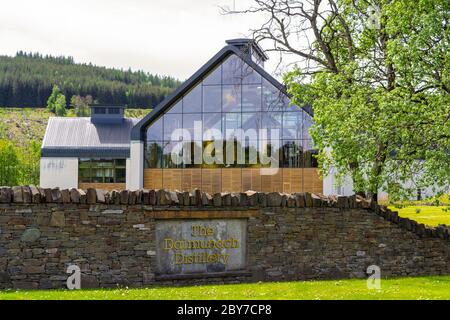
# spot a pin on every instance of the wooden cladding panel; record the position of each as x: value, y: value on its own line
x: 231, y: 180
x: 292, y: 180
x: 153, y: 178
x: 251, y: 179
x: 172, y: 179
x: 312, y: 181
x: 212, y: 180
x: 272, y: 180
x: 192, y: 178
x: 103, y: 186
x: 287, y: 180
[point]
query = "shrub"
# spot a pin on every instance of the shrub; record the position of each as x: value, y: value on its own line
x: 19, y: 165
x: 9, y: 164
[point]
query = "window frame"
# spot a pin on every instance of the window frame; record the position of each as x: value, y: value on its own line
x: 88, y: 164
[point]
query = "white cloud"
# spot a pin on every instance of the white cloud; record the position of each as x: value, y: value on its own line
x: 172, y: 37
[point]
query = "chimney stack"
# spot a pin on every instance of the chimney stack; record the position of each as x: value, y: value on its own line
x: 250, y: 48
x: 107, y: 114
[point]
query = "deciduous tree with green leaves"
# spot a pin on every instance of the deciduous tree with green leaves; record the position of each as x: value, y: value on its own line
x: 9, y: 164
x: 56, y: 102
x: 377, y: 75
x: 19, y: 165
x: 81, y: 105
x: 60, y: 106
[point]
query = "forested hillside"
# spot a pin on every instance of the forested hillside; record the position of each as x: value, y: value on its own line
x: 26, y: 80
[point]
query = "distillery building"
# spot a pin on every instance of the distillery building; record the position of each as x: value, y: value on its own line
x: 229, y: 127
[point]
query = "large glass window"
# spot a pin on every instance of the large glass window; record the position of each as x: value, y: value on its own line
x: 292, y: 125
x: 307, y: 123
x: 271, y: 120
x: 272, y: 98
x: 172, y: 155
x: 155, y: 131
x: 84, y: 170
x: 231, y: 100
x: 292, y: 154
x: 232, y: 70
x: 153, y: 154
x: 177, y: 107
x: 191, y: 122
x: 98, y: 170
x: 251, y: 98
x: 214, y: 77
x: 251, y: 120
x: 233, y: 97
x: 212, y: 121
x: 212, y: 98
x: 171, y: 123
x: 251, y: 152
x: 250, y: 76
x: 195, y: 154
x: 232, y: 122
x: 192, y: 101
x: 310, y: 160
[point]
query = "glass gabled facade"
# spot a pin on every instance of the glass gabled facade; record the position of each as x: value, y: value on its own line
x: 235, y: 115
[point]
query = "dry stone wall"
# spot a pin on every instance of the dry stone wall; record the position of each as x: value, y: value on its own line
x: 111, y: 237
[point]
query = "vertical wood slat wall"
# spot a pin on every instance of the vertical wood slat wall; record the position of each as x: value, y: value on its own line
x: 104, y: 186
x: 287, y: 180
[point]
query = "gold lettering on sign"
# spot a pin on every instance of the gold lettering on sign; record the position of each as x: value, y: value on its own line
x: 181, y: 247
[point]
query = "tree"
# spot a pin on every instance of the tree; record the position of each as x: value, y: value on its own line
x: 81, y: 105
x: 377, y: 75
x: 29, y: 158
x: 19, y: 165
x: 60, y: 106
x: 53, y: 99
x: 9, y: 164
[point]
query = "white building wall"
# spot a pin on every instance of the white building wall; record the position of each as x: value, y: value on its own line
x: 136, y: 167
x: 424, y: 193
x: 59, y: 172
x: 330, y: 186
x: 127, y: 174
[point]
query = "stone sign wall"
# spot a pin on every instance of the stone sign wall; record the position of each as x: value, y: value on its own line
x: 201, y: 246
x: 136, y: 238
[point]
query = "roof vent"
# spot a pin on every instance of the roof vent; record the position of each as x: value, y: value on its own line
x: 250, y: 48
x: 107, y: 114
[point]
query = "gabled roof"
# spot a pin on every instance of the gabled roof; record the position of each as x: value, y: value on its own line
x: 79, y: 137
x: 137, y: 132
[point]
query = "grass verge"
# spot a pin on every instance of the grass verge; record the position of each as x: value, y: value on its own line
x: 435, y: 287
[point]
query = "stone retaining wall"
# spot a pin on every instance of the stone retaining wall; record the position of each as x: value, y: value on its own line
x: 111, y: 237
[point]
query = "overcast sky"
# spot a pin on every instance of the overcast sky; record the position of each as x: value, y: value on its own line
x: 173, y: 37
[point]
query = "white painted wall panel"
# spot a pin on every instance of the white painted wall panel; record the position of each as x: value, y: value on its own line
x: 127, y: 174
x: 330, y: 186
x: 59, y: 172
x: 136, y: 168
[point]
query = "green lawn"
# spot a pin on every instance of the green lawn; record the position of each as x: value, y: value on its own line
x: 437, y: 287
x: 429, y: 215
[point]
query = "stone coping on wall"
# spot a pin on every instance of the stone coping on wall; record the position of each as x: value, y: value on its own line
x: 217, y: 204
